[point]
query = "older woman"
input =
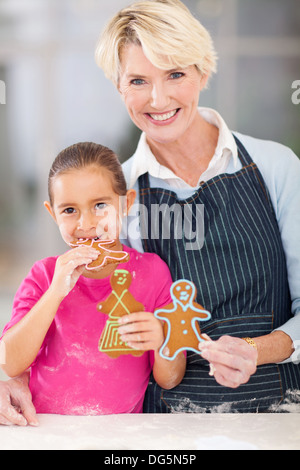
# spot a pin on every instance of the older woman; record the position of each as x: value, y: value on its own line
x: 245, y: 258
x: 247, y: 267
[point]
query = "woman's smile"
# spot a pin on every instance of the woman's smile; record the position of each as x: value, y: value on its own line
x: 167, y: 117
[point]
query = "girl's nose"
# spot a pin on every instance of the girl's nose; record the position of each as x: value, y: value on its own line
x: 87, y: 222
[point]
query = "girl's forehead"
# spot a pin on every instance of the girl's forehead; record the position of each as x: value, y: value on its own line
x: 91, y: 174
x: 82, y: 183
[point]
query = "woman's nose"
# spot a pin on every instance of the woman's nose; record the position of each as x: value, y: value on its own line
x: 159, y: 97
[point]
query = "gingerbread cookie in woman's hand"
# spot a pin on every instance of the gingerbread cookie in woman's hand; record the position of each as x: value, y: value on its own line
x: 106, y: 254
x: 119, y: 303
x: 181, y: 328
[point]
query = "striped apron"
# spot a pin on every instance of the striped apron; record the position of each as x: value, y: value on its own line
x: 241, y: 278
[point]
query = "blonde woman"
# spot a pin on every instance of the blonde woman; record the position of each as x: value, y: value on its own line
x: 245, y: 260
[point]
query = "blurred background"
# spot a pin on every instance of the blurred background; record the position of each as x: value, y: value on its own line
x: 55, y: 95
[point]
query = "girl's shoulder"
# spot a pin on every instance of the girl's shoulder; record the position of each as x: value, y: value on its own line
x: 42, y: 270
x: 47, y: 264
x: 150, y: 267
x: 152, y: 279
x: 146, y: 260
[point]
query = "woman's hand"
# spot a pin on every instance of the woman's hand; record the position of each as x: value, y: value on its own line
x: 16, y: 404
x: 232, y: 360
x: 69, y: 268
x: 141, y: 331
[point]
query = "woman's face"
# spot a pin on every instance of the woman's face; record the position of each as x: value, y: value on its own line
x: 162, y: 103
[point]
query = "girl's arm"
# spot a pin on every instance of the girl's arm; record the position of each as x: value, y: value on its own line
x: 169, y: 374
x: 144, y: 332
x: 24, y: 340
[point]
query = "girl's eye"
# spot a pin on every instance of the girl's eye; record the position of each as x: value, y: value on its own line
x: 175, y: 75
x: 69, y: 210
x: 137, y: 81
x: 100, y: 205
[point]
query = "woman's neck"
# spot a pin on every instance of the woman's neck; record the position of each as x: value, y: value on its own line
x: 189, y: 156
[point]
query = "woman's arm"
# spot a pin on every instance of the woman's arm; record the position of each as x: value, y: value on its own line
x: 273, y: 348
x: 233, y: 360
x: 280, y: 168
x: 16, y: 405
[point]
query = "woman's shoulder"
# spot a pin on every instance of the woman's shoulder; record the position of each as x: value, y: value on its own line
x: 268, y: 153
x: 277, y: 162
x: 280, y: 168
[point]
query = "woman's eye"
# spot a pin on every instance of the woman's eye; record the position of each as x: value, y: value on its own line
x: 175, y: 75
x: 137, y: 81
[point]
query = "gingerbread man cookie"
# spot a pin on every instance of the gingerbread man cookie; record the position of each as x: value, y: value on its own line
x: 106, y: 255
x: 119, y: 303
x: 182, y: 331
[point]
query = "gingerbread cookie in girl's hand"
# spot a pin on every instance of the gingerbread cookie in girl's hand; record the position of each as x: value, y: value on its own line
x: 107, y: 255
x: 181, y: 328
x: 119, y: 303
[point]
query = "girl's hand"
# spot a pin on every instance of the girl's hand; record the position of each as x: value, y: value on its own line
x: 232, y: 360
x: 69, y: 268
x: 141, y: 331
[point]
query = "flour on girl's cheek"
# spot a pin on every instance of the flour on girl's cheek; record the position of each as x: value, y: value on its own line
x: 66, y: 236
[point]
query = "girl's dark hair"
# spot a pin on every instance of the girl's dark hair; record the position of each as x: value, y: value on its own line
x: 85, y: 154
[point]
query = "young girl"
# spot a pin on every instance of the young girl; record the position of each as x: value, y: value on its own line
x: 56, y: 326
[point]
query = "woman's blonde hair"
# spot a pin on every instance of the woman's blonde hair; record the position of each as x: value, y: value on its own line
x: 168, y: 33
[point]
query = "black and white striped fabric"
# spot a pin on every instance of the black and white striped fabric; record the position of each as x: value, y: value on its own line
x: 240, y: 273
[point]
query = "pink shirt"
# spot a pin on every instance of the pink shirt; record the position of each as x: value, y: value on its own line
x: 70, y: 375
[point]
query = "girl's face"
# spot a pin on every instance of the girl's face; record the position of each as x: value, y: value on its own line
x: 85, y: 204
x: 162, y: 103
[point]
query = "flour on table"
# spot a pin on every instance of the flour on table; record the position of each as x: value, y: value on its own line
x: 291, y: 403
